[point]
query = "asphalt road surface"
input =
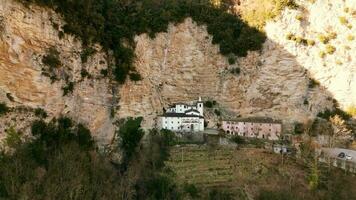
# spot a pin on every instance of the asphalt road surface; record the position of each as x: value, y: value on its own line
x: 334, y: 152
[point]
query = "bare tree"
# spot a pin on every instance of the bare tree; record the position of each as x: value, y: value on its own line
x: 340, y: 130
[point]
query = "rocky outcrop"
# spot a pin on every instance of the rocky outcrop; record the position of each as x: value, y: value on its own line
x: 336, y: 71
x: 25, y: 37
x: 182, y: 64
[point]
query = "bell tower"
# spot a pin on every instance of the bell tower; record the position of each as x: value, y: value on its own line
x: 200, y: 106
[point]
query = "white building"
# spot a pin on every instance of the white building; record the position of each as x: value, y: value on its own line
x: 183, y: 118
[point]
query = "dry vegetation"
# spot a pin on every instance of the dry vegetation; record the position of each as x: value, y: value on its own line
x: 244, y: 173
x: 257, y: 12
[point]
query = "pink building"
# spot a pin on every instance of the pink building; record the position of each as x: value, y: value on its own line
x: 263, y: 128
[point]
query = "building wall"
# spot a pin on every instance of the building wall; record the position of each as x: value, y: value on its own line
x: 270, y: 131
x: 182, y: 108
x: 182, y: 124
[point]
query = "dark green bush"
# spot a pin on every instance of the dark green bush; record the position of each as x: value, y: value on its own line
x: 3, y: 109
x: 235, y: 71
x: 39, y: 112
x: 68, y: 88
x: 220, y: 194
x: 276, y: 195
x: 135, y: 77
x: 131, y: 135
x: 231, y: 59
x: 217, y: 112
x: 208, y: 104
x: 56, y: 164
x: 104, y: 72
x: 84, y: 73
x: 192, y: 190
x: 114, y: 24
x: 51, y: 60
x: 326, y: 114
x: 313, y: 83
x: 238, y: 139
x: 86, y: 53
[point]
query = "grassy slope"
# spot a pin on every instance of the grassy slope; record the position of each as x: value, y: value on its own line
x: 245, y: 171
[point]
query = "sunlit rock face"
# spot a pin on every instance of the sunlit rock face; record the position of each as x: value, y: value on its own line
x: 336, y: 71
x: 26, y: 35
x: 182, y: 65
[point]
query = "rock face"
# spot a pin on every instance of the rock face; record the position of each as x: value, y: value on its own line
x: 336, y: 71
x: 25, y: 36
x: 180, y: 65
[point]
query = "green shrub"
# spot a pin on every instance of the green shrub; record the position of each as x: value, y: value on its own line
x: 13, y: 138
x: 217, y: 112
x: 68, y: 88
x: 235, y: 70
x: 135, y: 77
x: 3, y: 109
x: 192, y: 190
x: 330, y: 49
x: 238, y: 140
x: 298, y: 128
x: 131, y: 134
x: 86, y: 53
x: 322, y: 54
x: 332, y: 36
x: 208, y: 104
x: 351, y: 110
x: 343, y: 21
x: 299, y: 17
x: 323, y: 39
x: 326, y: 114
x: 350, y: 37
x: 84, y: 73
x: 313, y: 83
x: 231, y: 59
x: 298, y: 40
x: 289, y: 36
x: 39, y: 112
x: 311, y: 42
x: 276, y: 195
x: 104, y: 72
x: 51, y: 59
x: 220, y: 194
x: 290, y: 4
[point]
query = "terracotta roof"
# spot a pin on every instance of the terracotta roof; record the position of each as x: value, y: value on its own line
x: 256, y: 120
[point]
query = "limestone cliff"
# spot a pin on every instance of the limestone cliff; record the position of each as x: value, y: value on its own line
x: 181, y: 65
x: 25, y: 36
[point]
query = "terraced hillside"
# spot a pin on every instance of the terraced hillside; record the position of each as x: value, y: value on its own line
x: 244, y: 173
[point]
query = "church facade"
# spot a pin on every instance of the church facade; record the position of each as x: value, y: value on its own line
x: 183, y: 117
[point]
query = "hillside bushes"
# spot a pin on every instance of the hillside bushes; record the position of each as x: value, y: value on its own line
x: 114, y: 24
x: 61, y: 163
x: 3, y: 109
